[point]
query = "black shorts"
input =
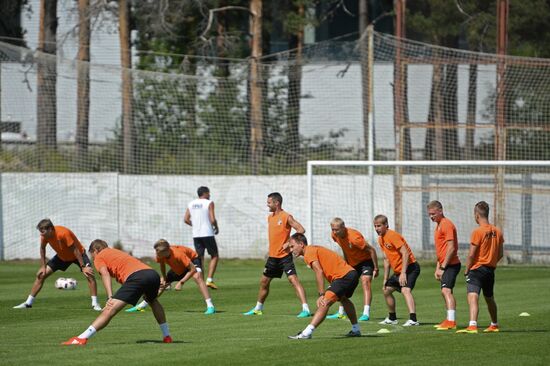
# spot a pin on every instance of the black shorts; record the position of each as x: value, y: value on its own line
x: 365, y: 268
x: 481, y: 278
x: 197, y: 263
x: 145, y: 282
x: 208, y: 243
x: 413, y: 271
x: 448, y: 278
x: 172, y: 276
x: 345, y: 286
x: 274, y: 267
x: 57, y: 264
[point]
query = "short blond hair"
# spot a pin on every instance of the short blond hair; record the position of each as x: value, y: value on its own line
x: 161, y: 245
x: 337, y: 221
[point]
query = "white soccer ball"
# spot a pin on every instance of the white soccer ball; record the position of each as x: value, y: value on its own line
x: 63, y: 283
x: 60, y: 283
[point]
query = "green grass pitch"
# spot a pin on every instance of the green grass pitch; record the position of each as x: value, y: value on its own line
x: 33, y: 336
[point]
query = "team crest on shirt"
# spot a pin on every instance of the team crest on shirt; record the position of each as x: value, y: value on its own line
x: 280, y: 222
x: 388, y: 245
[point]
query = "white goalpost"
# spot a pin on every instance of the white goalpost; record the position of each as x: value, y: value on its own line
x: 518, y: 193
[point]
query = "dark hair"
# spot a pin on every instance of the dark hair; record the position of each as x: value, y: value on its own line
x: 45, y: 224
x: 202, y: 190
x: 435, y: 204
x: 300, y: 238
x: 482, y: 208
x: 98, y: 245
x: 382, y: 218
x: 276, y: 196
x: 161, y: 245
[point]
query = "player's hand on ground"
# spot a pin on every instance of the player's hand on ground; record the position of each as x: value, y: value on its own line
x: 403, y: 279
x: 178, y: 286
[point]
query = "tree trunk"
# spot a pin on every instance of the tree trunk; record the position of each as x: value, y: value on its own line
x: 363, y: 49
x: 128, y: 131
x: 471, y: 114
x: 83, y: 92
x: 438, y: 112
x: 295, y: 90
x: 46, y: 74
x: 223, y: 65
x: 450, y: 112
x: 255, y: 98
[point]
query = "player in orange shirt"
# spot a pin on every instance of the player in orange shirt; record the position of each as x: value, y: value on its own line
x: 69, y: 251
x: 137, y: 279
x: 280, y: 223
x: 342, y: 277
x: 486, y: 250
x: 398, y: 256
x: 447, y: 265
x: 361, y: 256
x: 184, y: 264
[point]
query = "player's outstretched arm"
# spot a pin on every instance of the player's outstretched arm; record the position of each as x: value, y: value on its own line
x: 106, y: 279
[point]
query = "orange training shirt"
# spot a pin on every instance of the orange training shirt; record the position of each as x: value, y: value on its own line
x: 353, y: 245
x: 489, y: 239
x: 119, y: 264
x: 279, y: 233
x: 178, y: 260
x: 445, y: 231
x: 63, y: 242
x: 332, y: 264
x: 390, y: 243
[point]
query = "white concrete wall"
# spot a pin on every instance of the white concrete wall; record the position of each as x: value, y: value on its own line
x: 138, y: 210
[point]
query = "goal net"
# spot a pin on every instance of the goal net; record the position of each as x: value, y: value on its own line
x: 517, y: 192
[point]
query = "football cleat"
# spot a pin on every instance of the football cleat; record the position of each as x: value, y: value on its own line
x: 212, y: 285
x: 491, y: 329
x: 299, y: 336
x: 96, y: 307
x: 253, y: 312
x: 337, y: 316
x: 411, y: 323
x: 304, y: 314
x: 167, y: 339
x: 446, y: 325
x: 364, y: 318
x: 388, y: 321
x: 351, y: 333
x: 440, y: 324
x: 75, y: 341
x: 210, y: 310
x: 134, y: 309
x: 23, y: 306
x: 472, y: 329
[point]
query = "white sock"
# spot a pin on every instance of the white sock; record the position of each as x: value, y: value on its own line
x: 88, y: 333
x: 30, y: 300
x: 94, y: 301
x: 341, y: 310
x: 209, y: 303
x: 209, y: 279
x: 259, y: 306
x: 472, y: 323
x: 305, y: 307
x: 309, y: 330
x: 366, y: 310
x: 494, y: 324
x: 164, y: 329
x: 355, y: 327
x: 451, y: 315
x: 142, y: 305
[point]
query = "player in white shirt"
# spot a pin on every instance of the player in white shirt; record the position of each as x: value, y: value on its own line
x: 201, y: 217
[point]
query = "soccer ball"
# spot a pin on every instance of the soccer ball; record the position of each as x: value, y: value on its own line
x: 63, y: 283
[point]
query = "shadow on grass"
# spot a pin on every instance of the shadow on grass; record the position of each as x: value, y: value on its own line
x: 154, y: 341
